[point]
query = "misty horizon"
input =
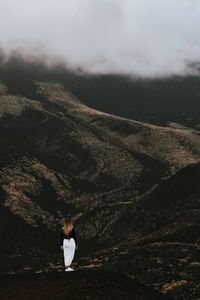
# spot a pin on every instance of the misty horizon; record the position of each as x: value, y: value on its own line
x: 140, y: 38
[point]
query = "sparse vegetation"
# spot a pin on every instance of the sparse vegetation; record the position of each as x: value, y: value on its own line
x: 133, y: 189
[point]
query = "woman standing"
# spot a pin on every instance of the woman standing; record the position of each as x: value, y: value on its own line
x: 68, y: 243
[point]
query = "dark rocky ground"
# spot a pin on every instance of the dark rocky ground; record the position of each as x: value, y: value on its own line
x: 76, y: 285
x: 132, y: 189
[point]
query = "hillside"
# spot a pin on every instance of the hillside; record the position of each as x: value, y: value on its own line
x: 158, y: 101
x: 162, y: 245
x: 127, y: 185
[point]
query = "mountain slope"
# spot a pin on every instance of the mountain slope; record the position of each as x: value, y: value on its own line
x: 157, y: 100
x: 60, y: 158
x: 157, y: 237
x: 57, y: 132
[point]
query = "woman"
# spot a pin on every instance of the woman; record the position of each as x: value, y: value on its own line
x: 68, y: 243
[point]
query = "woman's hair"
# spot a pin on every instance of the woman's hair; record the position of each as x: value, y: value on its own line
x: 68, y: 222
x: 68, y: 226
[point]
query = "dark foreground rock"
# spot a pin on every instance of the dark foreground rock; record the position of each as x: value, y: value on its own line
x: 75, y: 285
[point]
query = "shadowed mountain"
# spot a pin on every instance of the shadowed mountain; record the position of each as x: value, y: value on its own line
x: 157, y: 237
x: 124, y: 182
x: 157, y: 101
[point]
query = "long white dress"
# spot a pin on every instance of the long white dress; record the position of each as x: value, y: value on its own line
x: 69, y: 250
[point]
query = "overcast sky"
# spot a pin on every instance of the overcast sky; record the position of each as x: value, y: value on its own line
x: 142, y: 37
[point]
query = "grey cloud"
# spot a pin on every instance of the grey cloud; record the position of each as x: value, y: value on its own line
x: 140, y: 37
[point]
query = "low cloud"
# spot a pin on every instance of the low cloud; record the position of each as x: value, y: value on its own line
x: 146, y: 38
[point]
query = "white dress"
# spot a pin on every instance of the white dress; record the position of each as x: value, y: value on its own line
x: 69, y: 250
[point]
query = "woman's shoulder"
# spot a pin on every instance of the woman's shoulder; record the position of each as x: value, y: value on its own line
x: 73, y: 230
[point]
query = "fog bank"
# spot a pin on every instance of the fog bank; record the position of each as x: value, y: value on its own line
x: 140, y: 37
